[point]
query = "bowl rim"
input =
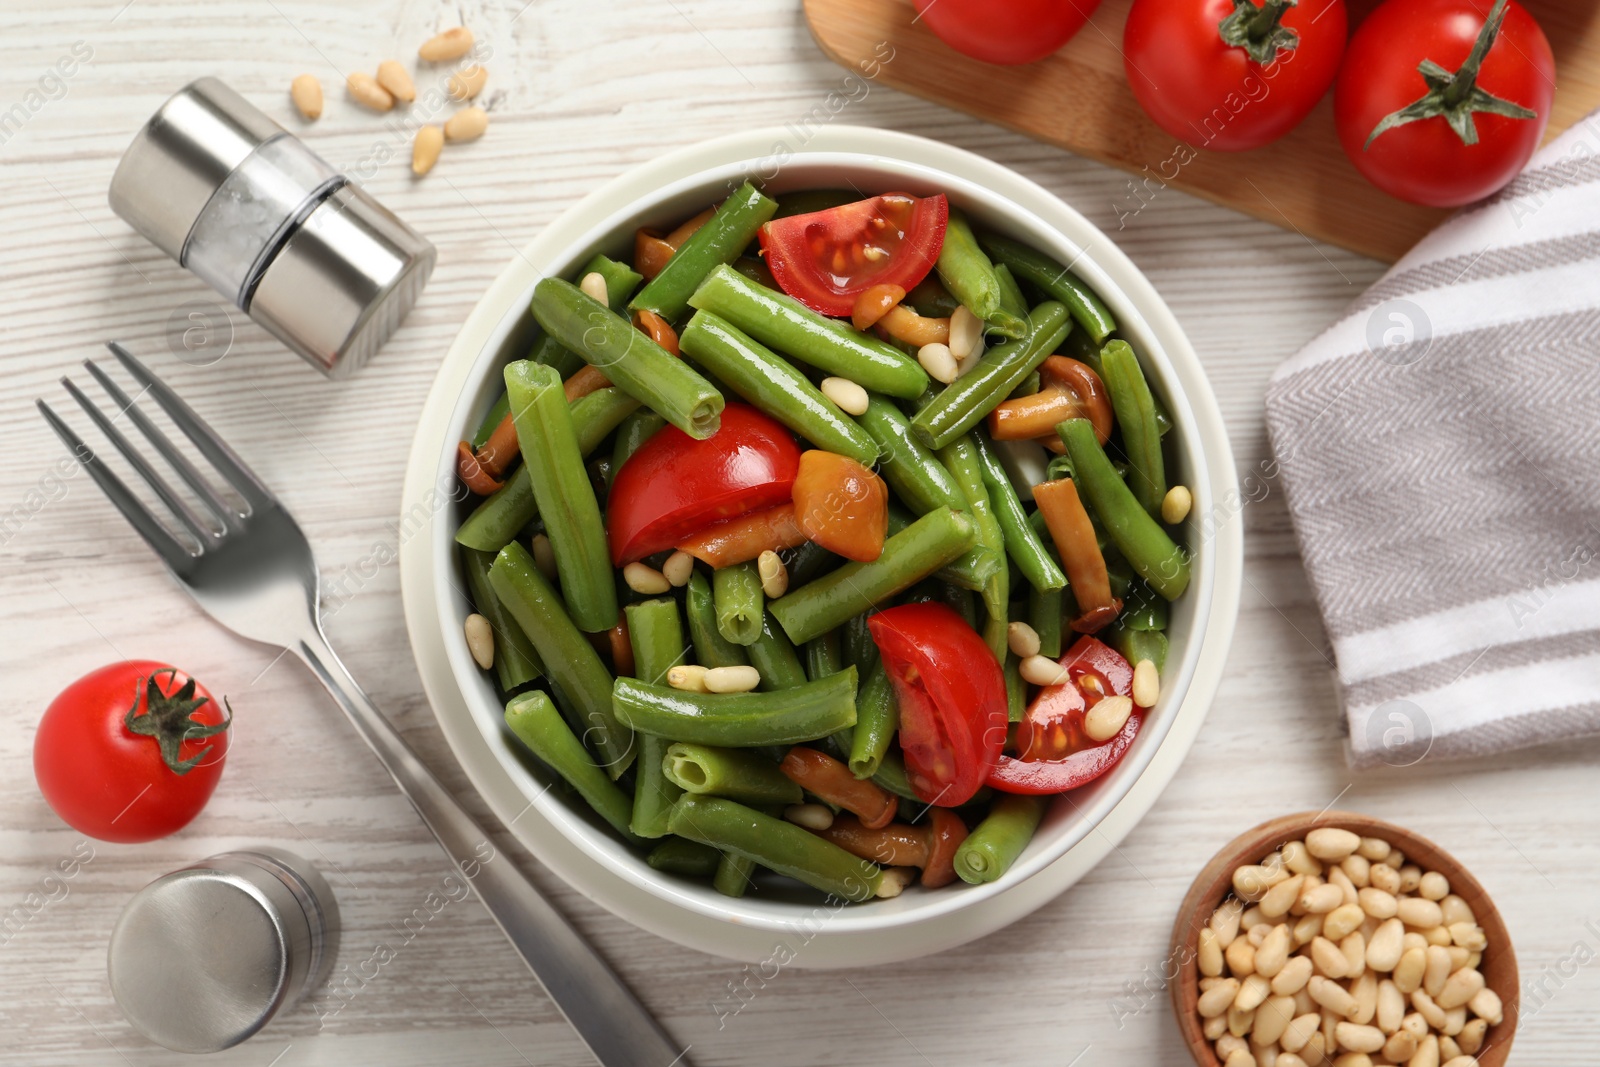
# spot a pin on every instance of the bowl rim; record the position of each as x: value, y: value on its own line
x: 967, y: 177
x: 1205, y: 894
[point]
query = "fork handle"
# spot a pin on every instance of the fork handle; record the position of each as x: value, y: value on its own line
x: 610, y: 1020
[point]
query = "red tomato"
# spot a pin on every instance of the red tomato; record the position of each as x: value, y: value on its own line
x: 130, y: 752
x: 826, y: 259
x: 952, y: 699
x: 1005, y: 31
x: 1426, y: 161
x: 674, y: 486
x: 1215, y: 81
x: 1054, y: 753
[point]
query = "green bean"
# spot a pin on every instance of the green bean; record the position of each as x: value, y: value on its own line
x: 733, y: 875
x: 772, y: 654
x: 969, y: 570
x: 892, y: 776
x: 729, y: 772
x: 1143, y: 609
x: 690, y: 859
x: 567, y: 504
x: 805, y: 201
x: 1044, y: 615
x: 1011, y: 297
x: 756, y: 270
x: 774, y: 386
x: 739, y: 720
x: 785, y: 325
x: 969, y: 276
x: 736, y: 590
x: 1030, y: 385
x: 711, y: 649
x: 620, y: 279
x: 860, y: 650
x: 1036, y: 268
x: 960, y: 458
x: 537, y: 724
x: 570, y: 661
x: 808, y: 561
x: 656, y: 634
x: 908, y: 557
x: 963, y: 403
x: 930, y: 299
x: 640, y: 367
x: 877, y: 719
x: 909, y: 467
x: 1136, y: 645
x: 724, y: 235
x: 1016, y: 689
x: 634, y: 431
x: 1022, y: 542
x: 515, y: 661
x: 1137, y: 536
x: 551, y: 353
x: 997, y: 841
x: 1134, y: 408
x: 503, y: 513
x: 824, y: 655
x: 491, y: 419
x: 778, y: 845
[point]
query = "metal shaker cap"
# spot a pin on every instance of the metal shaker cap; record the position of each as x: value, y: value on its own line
x: 244, y: 204
x: 204, y: 957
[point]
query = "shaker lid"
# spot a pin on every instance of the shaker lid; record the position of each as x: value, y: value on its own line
x: 202, y: 958
x: 182, y: 156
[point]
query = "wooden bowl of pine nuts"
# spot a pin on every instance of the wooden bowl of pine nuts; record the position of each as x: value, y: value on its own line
x: 1336, y: 938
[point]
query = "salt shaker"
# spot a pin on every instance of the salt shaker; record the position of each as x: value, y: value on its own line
x: 269, y: 224
x: 204, y: 957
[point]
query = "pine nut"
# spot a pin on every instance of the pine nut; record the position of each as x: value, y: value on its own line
x: 1298, y: 860
x: 1437, y: 972
x: 1456, y: 910
x: 1384, y: 877
x: 1043, y: 671
x: 643, y: 578
x: 1252, y: 993
x: 1459, y: 1061
x: 1240, y: 1057
x: 1384, y: 953
x: 466, y: 83
x: 893, y: 881
x: 1391, y: 1006
x: 678, y: 569
x: 1299, y: 1031
x: 1230, y: 1043
x: 1328, y: 959
x: 1218, y: 999
x: 1331, y: 844
x: 690, y: 677
x: 306, y: 92
x: 1434, y: 886
x: 1397, y: 859
x: 364, y: 88
x: 938, y: 362
x: 1307, y: 928
x: 1022, y: 639
x: 1281, y: 897
x: 1373, y: 848
x: 1337, y: 877
x: 1400, y: 1047
x: 1423, y: 914
x: 1428, y: 1009
x: 1208, y: 953
x: 1358, y: 869
x: 1354, y: 947
x: 1225, y: 921
x: 1107, y: 718
x: 467, y: 124
x: 544, y: 555
x: 442, y: 47
x: 1272, y: 1018
x: 1427, y: 1054
x: 593, y: 285
x: 1146, y: 684
x: 1215, y: 1028
x: 740, y: 679
x: 969, y: 362
x: 1377, y: 903
x: 774, y: 575
x: 425, y: 149
x: 1323, y: 899
x: 1486, y: 1005
x: 1176, y: 504
x: 1410, y: 877
x: 1470, y: 1040
x: 1408, y: 972
x: 849, y: 396
x: 1415, y: 1025
x: 1454, y: 1019
x: 393, y: 77
x: 1438, y: 935
x: 1293, y: 977
x: 1258, y: 933
x: 1358, y: 1038
x: 1272, y: 955
x: 1303, y: 1002
x: 966, y: 332
x: 1365, y: 990
x: 1458, y: 957
x: 1289, y: 1059
x: 1352, y: 1059
x: 1413, y: 940
x: 480, y: 640
x: 1460, y: 988
x: 811, y: 816
x: 1241, y: 957
x: 1342, y: 921
x: 1331, y: 995
x: 1468, y: 935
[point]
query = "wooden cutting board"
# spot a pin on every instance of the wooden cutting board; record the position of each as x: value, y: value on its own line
x: 1079, y: 99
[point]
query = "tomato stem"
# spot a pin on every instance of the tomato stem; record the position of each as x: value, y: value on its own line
x: 1259, y: 30
x: 1456, y: 97
x: 169, y: 720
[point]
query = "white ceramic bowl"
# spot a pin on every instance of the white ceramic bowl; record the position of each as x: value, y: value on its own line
x: 1079, y: 829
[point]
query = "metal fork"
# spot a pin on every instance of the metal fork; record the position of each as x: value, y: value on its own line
x: 257, y: 577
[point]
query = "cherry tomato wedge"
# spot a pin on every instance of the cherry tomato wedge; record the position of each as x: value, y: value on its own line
x: 1053, y: 752
x: 826, y: 259
x: 952, y: 699
x: 674, y: 486
x: 841, y: 505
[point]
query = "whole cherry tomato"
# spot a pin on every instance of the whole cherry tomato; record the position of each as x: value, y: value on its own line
x: 1230, y: 74
x: 825, y: 259
x: 130, y: 752
x: 1442, y: 102
x: 1005, y: 31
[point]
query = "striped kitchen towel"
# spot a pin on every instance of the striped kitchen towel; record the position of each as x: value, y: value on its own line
x: 1440, y: 449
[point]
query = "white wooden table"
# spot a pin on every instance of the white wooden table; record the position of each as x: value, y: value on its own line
x: 580, y: 91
